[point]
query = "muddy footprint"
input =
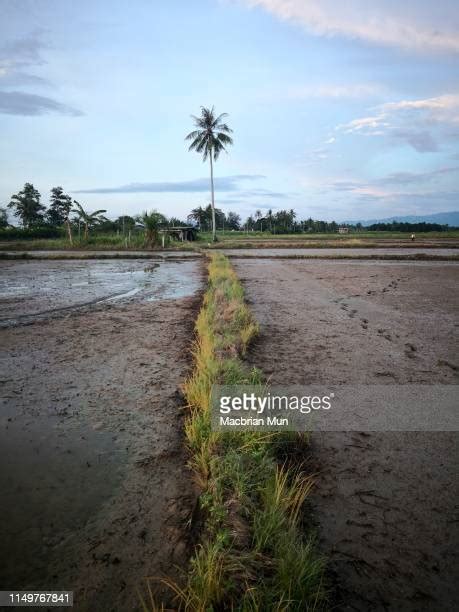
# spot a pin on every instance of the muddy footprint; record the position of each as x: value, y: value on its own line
x: 385, y: 334
x: 448, y: 364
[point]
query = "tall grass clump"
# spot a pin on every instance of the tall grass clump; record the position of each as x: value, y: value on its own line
x: 255, y: 551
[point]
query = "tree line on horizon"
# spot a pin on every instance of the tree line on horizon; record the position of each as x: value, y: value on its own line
x: 39, y: 221
x: 26, y: 205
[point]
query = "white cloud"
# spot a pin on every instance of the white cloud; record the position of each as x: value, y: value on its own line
x: 416, y: 122
x: 368, y: 125
x: 397, y: 184
x: 412, y: 24
x: 443, y: 108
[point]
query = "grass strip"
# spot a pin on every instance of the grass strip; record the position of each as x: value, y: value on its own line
x: 255, y: 552
x: 162, y: 256
x: 99, y: 242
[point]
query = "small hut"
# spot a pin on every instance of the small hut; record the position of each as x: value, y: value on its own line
x: 184, y: 233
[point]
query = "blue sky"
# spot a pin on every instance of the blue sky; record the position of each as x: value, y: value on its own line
x: 340, y: 110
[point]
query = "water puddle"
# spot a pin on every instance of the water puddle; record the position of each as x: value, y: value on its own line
x: 124, y: 295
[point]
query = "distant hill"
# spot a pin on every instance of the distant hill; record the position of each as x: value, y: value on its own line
x: 443, y: 218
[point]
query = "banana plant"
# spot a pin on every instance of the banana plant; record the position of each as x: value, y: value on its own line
x: 88, y: 219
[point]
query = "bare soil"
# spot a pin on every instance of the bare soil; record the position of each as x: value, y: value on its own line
x: 352, y: 241
x: 95, y: 491
x: 385, y: 504
x: 368, y: 252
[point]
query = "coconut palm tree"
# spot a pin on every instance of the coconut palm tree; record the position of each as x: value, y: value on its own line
x: 270, y: 220
x: 259, y: 218
x: 88, y: 219
x: 210, y: 138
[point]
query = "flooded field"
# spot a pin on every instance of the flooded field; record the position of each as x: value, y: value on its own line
x: 385, y: 503
x: 31, y: 288
x: 94, y: 491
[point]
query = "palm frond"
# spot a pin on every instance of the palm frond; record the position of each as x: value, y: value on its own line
x: 194, y: 145
x: 217, y: 120
x: 80, y: 210
x: 224, y: 128
x: 97, y: 213
x: 198, y: 144
x: 193, y: 134
x: 203, y: 144
x: 224, y: 138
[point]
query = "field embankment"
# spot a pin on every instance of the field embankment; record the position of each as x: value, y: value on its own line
x: 255, y: 551
x: 97, y: 242
x: 108, y: 254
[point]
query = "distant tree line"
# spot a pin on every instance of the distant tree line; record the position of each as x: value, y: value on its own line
x: 398, y: 226
x: 65, y: 214
x: 281, y: 222
x: 286, y: 222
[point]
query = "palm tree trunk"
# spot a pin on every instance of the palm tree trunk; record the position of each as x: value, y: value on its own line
x: 69, y: 231
x: 214, y: 229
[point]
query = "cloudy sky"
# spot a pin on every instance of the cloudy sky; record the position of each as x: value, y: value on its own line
x: 340, y: 110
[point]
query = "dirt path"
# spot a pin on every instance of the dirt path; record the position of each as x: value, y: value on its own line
x: 385, y: 503
x: 95, y: 492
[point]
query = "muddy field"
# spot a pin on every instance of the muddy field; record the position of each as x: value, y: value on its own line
x: 385, y: 505
x: 339, y: 252
x: 94, y: 491
x: 38, y: 289
x: 332, y: 242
